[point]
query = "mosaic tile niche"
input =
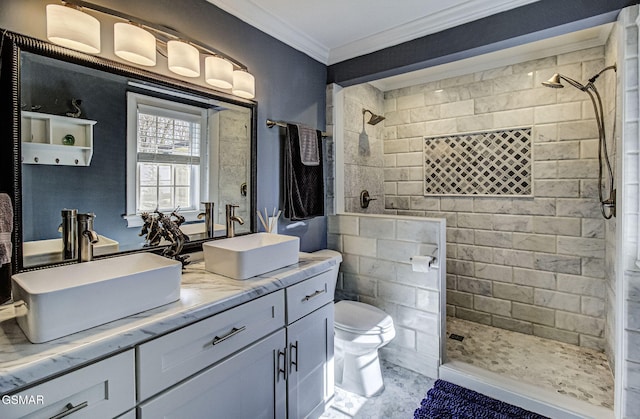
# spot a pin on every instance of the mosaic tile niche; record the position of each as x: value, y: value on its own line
x: 492, y: 163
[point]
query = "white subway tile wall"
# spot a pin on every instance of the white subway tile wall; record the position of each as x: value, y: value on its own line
x: 534, y: 265
x: 560, y: 288
x: 377, y: 270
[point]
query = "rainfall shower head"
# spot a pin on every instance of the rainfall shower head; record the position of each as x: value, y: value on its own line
x: 375, y: 119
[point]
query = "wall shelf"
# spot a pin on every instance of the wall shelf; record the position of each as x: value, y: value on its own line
x: 42, y: 139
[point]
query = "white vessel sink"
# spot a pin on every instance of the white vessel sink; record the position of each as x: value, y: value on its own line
x: 51, y: 303
x: 254, y: 254
x: 200, y: 228
x: 47, y: 251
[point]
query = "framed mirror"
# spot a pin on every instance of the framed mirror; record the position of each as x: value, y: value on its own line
x: 90, y: 134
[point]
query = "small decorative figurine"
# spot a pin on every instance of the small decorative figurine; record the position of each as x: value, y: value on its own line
x: 76, y: 106
x: 158, y: 226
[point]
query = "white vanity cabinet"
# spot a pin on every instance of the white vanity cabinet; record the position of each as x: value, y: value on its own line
x: 255, y: 367
x: 310, y: 311
x: 246, y: 385
x: 269, y: 357
x: 171, y: 358
x: 104, y: 389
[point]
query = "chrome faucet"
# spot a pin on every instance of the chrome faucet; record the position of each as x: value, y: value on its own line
x: 231, y: 217
x: 69, y: 229
x: 208, y: 218
x: 87, y: 237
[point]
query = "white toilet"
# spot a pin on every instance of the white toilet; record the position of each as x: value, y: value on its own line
x: 360, y: 330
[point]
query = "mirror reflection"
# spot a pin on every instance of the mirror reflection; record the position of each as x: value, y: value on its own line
x: 109, y: 145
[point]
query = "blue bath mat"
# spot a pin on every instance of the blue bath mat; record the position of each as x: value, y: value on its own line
x: 449, y: 401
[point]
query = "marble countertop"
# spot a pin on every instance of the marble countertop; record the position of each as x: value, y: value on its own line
x: 202, y: 294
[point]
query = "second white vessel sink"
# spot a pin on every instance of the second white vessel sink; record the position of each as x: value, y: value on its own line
x: 51, y: 303
x: 253, y: 254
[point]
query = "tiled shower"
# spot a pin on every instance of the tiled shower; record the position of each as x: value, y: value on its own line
x: 542, y: 265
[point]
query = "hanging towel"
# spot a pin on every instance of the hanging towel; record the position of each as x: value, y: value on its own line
x: 6, y: 228
x: 309, y: 154
x: 303, y: 185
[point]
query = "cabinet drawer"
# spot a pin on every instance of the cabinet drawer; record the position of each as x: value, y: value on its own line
x: 171, y: 358
x: 102, y: 390
x: 309, y: 295
x: 244, y: 385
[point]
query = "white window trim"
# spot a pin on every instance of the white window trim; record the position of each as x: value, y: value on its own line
x: 133, y: 100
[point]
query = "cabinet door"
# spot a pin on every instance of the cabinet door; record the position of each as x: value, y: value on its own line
x: 310, y: 347
x: 171, y: 358
x: 245, y: 385
x: 101, y: 390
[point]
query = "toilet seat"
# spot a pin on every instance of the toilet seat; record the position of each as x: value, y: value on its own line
x: 363, y: 319
x: 360, y: 330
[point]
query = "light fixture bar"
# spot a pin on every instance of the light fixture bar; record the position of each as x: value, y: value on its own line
x: 170, y: 34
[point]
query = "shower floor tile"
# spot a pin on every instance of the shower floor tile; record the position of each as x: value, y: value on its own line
x: 568, y: 369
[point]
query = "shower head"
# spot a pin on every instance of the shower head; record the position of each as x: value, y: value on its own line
x: 375, y: 119
x: 553, y: 82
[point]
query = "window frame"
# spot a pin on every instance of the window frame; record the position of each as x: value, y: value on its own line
x: 134, y: 100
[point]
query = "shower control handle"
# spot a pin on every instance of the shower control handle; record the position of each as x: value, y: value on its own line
x: 365, y: 198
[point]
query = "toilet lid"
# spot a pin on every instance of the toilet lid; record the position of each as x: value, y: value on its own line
x: 360, y: 317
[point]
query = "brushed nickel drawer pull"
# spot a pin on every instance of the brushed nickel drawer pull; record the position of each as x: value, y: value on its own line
x: 70, y: 409
x: 291, y: 361
x: 281, y: 369
x: 315, y: 294
x: 233, y: 332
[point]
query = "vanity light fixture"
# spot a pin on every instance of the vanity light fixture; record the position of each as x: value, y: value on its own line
x: 218, y: 72
x: 183, y: 58
x: 134, y: 44
x: 136, y: 40
x: 243, y: 84
x: 71, y: 28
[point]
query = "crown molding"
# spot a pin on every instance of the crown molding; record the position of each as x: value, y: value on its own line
x: 253, y: 13
x: 426, y: 25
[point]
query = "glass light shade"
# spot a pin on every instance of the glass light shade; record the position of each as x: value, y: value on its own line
x: 73, y: 29
x: 183, y: 58
x: 132, y: 43
x: 218, y: 72
x: 244, y: 84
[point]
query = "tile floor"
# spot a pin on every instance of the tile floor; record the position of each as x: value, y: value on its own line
x: 404, y: 390
x: 570, y: 370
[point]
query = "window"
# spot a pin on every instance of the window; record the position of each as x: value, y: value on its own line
x: 166, y: 156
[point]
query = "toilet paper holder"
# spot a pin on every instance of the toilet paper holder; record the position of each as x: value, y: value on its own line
x: 433, y: 259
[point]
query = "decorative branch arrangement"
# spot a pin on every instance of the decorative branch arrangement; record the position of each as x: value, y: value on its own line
x: 158, y: 226
x: 268, y: 227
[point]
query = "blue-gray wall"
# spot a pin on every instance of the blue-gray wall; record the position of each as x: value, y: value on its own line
x: 98, y: 188
x: 289, y: 84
